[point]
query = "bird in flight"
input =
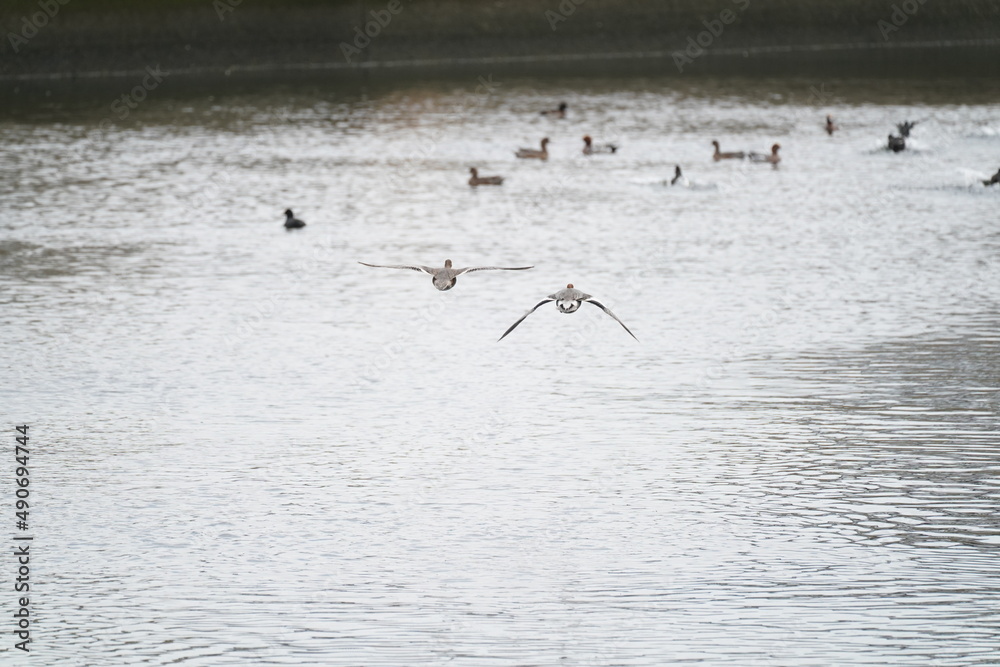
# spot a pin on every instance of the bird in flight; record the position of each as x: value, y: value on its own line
x: 568, y: 300
x: 444, y: 278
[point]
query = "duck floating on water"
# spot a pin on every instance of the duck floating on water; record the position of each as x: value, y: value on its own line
x: 994, y: 180
x: 678, y: 178
x: 444, y: 279
x: 590, y: 149
x: 737, y: 155
x: 476, y: 179
x: 896, y: 144
x: 291, y: 222
x: 831, y: 127
x: 559, y: 112
x: 534, y: 153
x: 568, y: 300
x: 769, y: 158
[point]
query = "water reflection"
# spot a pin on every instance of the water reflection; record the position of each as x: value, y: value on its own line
x: 251, y: 448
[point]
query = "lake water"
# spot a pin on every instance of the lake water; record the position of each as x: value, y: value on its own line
x: 248, y: 448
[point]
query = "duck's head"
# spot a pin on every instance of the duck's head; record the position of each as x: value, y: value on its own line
x: 447, y: 263
x: 774, y: 148
x: 545, y: 142
x: 587, y: 139
x: 563, y: 106
x: 716, y: 144
x: 288, y: 213
x: 570, y: 286
x: 677, y: 170
x: 829, y: 120
x: 473, y: 171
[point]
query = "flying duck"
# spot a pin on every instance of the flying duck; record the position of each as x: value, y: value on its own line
x: 568, y: 300
x: 738, y: 155
x: 556, y: 113
x: 905, y: 127
x: 589, y: 148
x: 444, y: 279
x: 771, y: 158
x: 476, y: 179
x: 291, y: 222
x: 534, y: 152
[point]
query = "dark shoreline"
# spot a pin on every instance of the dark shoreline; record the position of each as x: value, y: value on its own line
x: 108, y: 39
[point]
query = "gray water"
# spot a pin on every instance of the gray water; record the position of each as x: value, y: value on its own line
x: 248, y: 448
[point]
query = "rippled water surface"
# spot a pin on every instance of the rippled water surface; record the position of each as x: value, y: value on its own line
x: 248, y: 448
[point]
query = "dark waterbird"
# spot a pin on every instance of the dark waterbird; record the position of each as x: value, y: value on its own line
x: 291, y: 222
x: 995, y: 179
x: 830, y: 126
x: 896, y: 144
x: 677, y: 175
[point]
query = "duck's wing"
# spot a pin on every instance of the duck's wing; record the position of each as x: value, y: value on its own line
x: 423, y: 269
x: 470, y: 269
x: 613, y: 316
x: 540, y: 303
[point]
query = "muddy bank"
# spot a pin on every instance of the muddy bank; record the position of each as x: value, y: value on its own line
x: 53, y: 38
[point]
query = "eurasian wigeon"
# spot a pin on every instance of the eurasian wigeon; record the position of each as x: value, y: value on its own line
x: 770, y: 158
x: 589, y: 148
x: 476, y: 179
x: 737, y: 155
x: 568, y: 300
x: 560, y: 112
x: 444, y: 279
x: 534, y: 153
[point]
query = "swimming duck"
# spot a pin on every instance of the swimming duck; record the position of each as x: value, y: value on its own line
x: 830, y: 126
x: 291, y: 222
x: 534, y: 152
x: 589, y: 148
x: 738, y: 155
x: 556, y: 113
x: 994, y: 179
x: 678, y: 177
x: 896, y: 144
x: 476, y: 179
x: 771, y: 158
x: 568, y: 300
x: 905, y: 127
x: 444, y: 279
